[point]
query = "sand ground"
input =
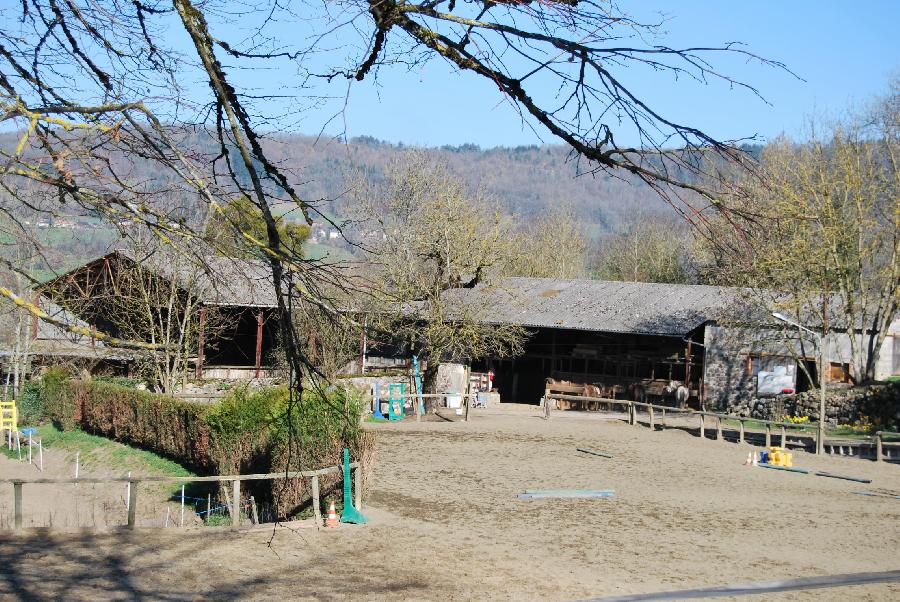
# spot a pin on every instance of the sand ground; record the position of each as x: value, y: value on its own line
x: 446, y: 525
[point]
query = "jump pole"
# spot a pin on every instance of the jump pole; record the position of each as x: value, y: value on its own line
x: 846, y: 478
x: 593, y: 453
x: 786, y: 468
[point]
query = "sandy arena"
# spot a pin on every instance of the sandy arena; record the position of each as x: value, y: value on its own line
x: 446, y: 524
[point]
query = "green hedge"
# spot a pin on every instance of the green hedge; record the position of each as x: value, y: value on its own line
x: 57, y: 400
x: 249, y: 431
x: 167, y: 426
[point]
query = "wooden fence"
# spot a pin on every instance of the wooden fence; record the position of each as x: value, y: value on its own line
x: 702, y: 416
x: 235, y: 510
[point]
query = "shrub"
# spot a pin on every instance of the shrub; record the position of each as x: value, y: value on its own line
x: 264, y: 431
x: 58, y: 403
x: 31, y: 404
x: 165, y: 425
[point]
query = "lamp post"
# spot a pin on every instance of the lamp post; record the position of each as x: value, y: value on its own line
x: 820, y: 342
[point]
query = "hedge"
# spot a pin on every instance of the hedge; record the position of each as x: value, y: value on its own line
x: 164, y: 425
x: 260, y: 431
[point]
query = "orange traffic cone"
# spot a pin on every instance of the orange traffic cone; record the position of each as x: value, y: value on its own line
x: 755, y: 459
x: 332, y: 520
x: 749, y: 460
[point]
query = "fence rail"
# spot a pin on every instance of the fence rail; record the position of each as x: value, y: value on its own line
x: 631, y: 406
x: 133, y: 482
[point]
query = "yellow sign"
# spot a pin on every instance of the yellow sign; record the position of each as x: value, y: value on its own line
x: 8, y: 416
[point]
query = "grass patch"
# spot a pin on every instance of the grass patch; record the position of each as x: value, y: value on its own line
x: 845, y: 431
x: 94, y: 450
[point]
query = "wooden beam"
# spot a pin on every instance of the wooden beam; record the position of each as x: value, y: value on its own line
x: 317, y: 510
x: 236, y: 504
x: 201, y: 342
x: 259, y: 333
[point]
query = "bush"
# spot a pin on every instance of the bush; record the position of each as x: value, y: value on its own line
x: 165, y: 425
x: 31, y: 404
x: 248, y: 432
x: 265, y: 431
x: 58, y: 403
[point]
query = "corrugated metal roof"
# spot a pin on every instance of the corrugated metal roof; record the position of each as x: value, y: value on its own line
x: 598, y: 305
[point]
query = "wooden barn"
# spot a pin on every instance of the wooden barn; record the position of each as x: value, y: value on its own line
x: 614, y: 335
x: 231, y: 304
x: 658, y: 340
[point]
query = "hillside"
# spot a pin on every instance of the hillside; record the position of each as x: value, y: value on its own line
x: 526, y: 180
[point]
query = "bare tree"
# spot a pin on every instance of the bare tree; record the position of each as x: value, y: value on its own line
x: 551, y: 246
x: 146, y: 292
x: 819, y: 235
x: 647, y: 250
x: 431, y: 236
x: 94, y: 90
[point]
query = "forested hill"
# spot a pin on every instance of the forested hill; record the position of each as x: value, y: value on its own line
x: 525, y: 179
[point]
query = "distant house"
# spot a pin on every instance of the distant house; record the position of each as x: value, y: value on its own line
x: 618, y: 334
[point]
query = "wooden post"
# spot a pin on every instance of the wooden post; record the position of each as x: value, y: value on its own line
x: 236, y: 503
x: 132, y: 503
x: 718, y: 428
x: 466, y: 391
x: 182, y: 505
x: 664, y: 418
x: 879, y: 450
x: 783, y: 437
x: 687, y: 366
x: 741, y: 433
x: 702, y: 427
x: 650, y: 411
x: 17, y: 503
x: 317, y: 510
x: 547, y: 403
x: 201, y: 342
x: 208, y: 506
x: 768, y: 435
x: 259, y: 333
x: 357, y: 487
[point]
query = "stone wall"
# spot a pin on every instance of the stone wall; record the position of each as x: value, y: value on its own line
x: 725, y: 376
x: 878, y: 404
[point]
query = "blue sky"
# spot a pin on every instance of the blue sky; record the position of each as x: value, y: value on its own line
x: 846, y: 53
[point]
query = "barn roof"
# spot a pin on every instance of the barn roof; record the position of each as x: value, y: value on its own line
x: 227, y: 281
x: 598, y: 305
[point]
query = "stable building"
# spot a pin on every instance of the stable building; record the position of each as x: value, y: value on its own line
x: 233, y: 305
x: 616, y: 335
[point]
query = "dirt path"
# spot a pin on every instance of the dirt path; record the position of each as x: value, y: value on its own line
x: 446, y: 524
x: 85, y: 505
